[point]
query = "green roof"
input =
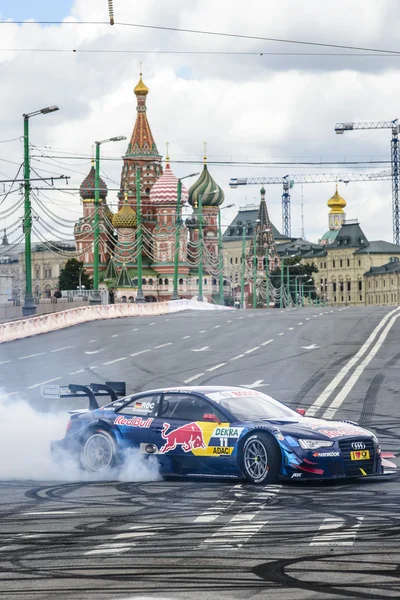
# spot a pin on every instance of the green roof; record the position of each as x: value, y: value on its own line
x: 330, y: 235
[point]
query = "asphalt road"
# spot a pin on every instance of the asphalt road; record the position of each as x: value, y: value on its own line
x: 198, y: 539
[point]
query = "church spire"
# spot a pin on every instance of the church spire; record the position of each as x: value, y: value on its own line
x: 142, y: 142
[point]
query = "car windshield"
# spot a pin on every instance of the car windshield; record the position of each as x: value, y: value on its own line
x: 254, y: 405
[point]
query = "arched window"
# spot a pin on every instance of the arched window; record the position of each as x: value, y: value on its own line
x: 236, y: 260
x: 160, y: 281
x: 214, y: 282
x: 150, y: 282
x: 205, y: 282
x: 131, y: 299
x: 165, y: 281
x: 135, y: 281
x: 231, y: 260
x: 181, y: 281
x: 144, y: 281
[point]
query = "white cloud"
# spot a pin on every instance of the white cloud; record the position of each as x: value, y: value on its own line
x: 246, y: 107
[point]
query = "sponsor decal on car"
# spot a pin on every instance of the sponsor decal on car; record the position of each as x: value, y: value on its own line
x: 295, y: 475
x: 189, y: 437
x: 218, y: 396
x: 326, y: 454
x: 229, y: 432
x: 332, y: 433
x: 133, y: 422
x: 147, y: 406
x: 220, y: 450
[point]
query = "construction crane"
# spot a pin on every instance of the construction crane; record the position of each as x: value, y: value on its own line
x: 340, y: 128
x: 288, y: 181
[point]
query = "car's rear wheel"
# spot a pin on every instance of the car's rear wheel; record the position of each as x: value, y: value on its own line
x: 98, y: 452
x: 260, y: 458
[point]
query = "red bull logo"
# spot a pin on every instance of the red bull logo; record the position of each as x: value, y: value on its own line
x: 188, y: 436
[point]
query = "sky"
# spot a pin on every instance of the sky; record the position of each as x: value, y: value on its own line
x: 249, y: 108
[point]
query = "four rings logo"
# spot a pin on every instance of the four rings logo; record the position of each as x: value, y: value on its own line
x: 358, y: 445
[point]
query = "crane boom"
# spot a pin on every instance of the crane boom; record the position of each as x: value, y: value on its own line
x: 351, y: 126
x: 317, y: 178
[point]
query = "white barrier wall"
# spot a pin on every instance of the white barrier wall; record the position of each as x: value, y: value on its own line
x: 15, y: 330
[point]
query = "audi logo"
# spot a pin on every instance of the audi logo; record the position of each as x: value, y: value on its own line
x: 358, y: 445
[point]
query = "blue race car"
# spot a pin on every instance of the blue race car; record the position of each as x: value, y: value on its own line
x: 214, y: 431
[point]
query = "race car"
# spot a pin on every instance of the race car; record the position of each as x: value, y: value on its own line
x: 213, y: 431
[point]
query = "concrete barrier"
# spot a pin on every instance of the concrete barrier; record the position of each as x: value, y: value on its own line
x: 15, y: 330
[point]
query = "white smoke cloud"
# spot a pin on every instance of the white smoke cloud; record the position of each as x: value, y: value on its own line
x: 25, y: 437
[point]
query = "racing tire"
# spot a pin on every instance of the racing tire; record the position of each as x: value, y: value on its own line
x: 99, y: 453
x: 260, y: 459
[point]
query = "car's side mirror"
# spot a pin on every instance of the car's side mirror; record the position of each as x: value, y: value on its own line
x: 301, y: 411
x: 211, y: 417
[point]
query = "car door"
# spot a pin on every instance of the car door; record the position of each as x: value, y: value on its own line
x: 134, y: 419
x: 184, y: 433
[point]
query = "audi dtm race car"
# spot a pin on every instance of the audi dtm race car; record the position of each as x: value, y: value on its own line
x: 213, y: 432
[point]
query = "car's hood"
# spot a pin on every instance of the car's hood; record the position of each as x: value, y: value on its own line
x: 310, y: 428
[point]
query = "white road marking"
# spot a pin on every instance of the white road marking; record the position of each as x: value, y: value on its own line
x: 333, y: 532
x: 238, y: 356
x: 323, y: 397
x: 203, y: 349
x: 3, y: 362
x: 252, y: 350
x: 194, y: 377
x: 229, y: 321
x: 216, y: 326
x: 94, y: 351
x: 92, y: 341
x: 32, y: 355
x: 31, y: 387
x: 163, y: 345
x: 63, y: 348
x: 217, y: 367
x: 267, y: 342
x: 338, y: 401
x: 203, y: 331
x: 281, y: 334
x: 2, y: 396
x: 94, y: 367
x: 51, y: 512
x: 307, y: 318
x: 167, y: 319
x: 150, y: 324
x: 111, y: 362
x: 212, y: 513
x: 256, y: 384
x: 290, y: 328
x: 115, y: 335
x: 241, y: 317
x: 185, y: 337
x: 300, y: 323
x: 135, y: 329
x: 76, y: 372
x: 311, y: 347
x: 141, y: 352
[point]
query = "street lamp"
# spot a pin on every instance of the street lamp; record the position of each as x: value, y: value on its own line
x: 96, y: 298
x: 201, y: 244
x: 221, y: 258
x: 175, y: 295
x: 29, y: 307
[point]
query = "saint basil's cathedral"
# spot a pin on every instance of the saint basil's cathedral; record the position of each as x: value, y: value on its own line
x: 118, y: 240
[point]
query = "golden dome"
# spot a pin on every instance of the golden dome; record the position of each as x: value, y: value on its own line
x: 336, y: 203
x: 141, y: 89
x: 125, y: 217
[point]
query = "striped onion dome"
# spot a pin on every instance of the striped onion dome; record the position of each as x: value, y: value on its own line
x: 165, y: 189
x: 202, y: 187
x: 88, y: 184
x: 125, y: 217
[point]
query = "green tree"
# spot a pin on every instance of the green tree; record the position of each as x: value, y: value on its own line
x: 69, y: 276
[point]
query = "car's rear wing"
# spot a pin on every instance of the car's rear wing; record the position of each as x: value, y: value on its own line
x: 112, y: 389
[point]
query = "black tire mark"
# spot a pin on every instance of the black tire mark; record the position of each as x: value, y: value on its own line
x: 368, y: 410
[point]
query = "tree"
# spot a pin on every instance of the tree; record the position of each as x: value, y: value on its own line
x: 69, y: 276
x: 302, y: 272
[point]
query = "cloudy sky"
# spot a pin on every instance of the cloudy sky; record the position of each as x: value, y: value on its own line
x: 253, y: 101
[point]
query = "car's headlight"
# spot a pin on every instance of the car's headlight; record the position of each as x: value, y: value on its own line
x: 314, y: 444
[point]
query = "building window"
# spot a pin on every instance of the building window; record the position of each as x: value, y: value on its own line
x: 360, y: 297
x: 359, y: 285
x: 205, y: 282
x: 333, y: 263
x: 384, y: 283
x: 214, y: 282
x: 349, y: 298
x: 150, y: 282
x: 160, y: 281
x: 231, y: 260
x: 181, y: 281
x: 324, y: 265
x: 321, y: 266
x: 341, y: 287
x: 340, y: 263
x: 165, y: 281
x: 376, y: 284
x: 236, y: 260
x: 348, y: 262
x: 359, y: 263
x: 369, y: 285
x: 334, y: 298
x: 342, y: 299
x: 334, y: 288
x: 349, y: 286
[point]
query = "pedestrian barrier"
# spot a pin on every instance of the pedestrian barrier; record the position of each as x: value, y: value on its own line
x: 15, y: 330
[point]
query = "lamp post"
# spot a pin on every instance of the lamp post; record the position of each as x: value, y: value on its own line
x: 29, y: 307
x: 267, y: 276
x: 282, y: 276
x: 178, y: 221
x: 243, y: 267
x: 221, y: 258
x: 201, y: 243
x: 139, y: 296
x: 254, y: 273
x: 96, y: 298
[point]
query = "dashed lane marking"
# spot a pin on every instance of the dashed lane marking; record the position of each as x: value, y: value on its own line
x: 63, y: 348
x: 31, y: 387
x: 51, y: 512
x: 281, y: 333
x: 111, y: 362
x: 76, y: 372
x: 94, y: 351
x: 334, y: 532
x: 32, y: 355
x: 252, y: 350
x: 115, y: 335
x: 216, y: 326
x: 92, y: 341
x: 229, y: 321
x: 203, y: 331
x: 185, y: 337
x: 217, y: 367
x: 267, y: 342
x: 141, y: 352
x: 150, y: 324
x: 163, y: 345
x: 237, y: 357
x: 215, y: 511
x: 290, y: 328
x: 136, y: 329
x: 307, y: 318
x: 300, y: 323
x: 3, y: 362
x: 194, y: 377
x: 203, y: 349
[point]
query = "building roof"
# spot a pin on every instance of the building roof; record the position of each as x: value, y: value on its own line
x: 380, y: 247
x: 300, y: 247
x: 165, y: 189
x: 13, y: 250
x: 87, y: 187
x: 350, y: 235
x: 336, y: 203
x: 204, y: 187
x: 125, y: 217
x: 142, y: 141
x: 393, y: 266
x: 330, y: 236
x: 247, y: 217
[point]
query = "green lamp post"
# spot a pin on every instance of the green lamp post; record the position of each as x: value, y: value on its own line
x: 29, y: 307
x: 221, y: 257
x: 96, y: 298
x: 139, y: 263
x: 254, y: 273
x: 201, y: 243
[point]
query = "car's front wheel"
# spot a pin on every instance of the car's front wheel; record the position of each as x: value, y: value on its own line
x: 260, y: 458
x: 98, y: 452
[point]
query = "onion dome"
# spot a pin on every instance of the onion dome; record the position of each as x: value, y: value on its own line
x: 165, y: 189
x: 141, y: 88
x: 262, y: 191
x: 125, y: 217
x: 107, y: 212
x: 203, y: 187
x: 336, y: 203
x: 88, y: 185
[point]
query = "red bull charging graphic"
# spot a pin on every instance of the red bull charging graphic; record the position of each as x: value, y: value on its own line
x: 188, y: 436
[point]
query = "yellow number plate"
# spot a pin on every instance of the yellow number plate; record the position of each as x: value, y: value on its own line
x: 359, y: 455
